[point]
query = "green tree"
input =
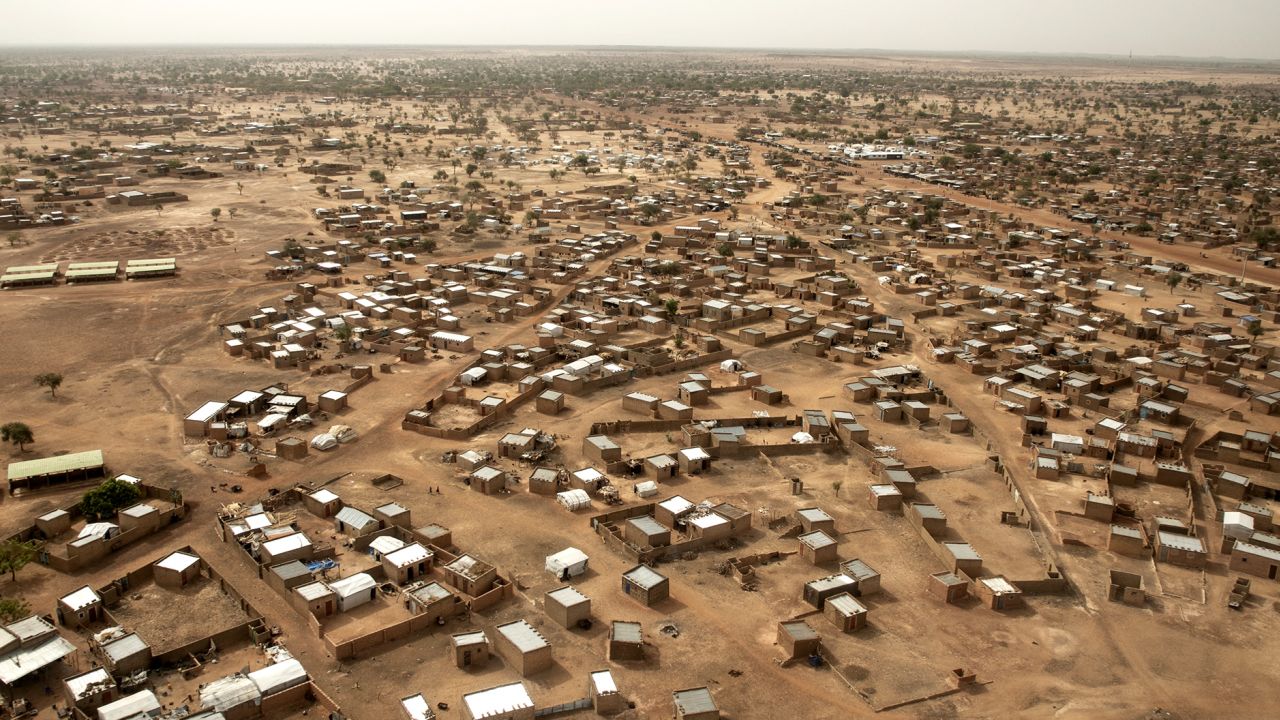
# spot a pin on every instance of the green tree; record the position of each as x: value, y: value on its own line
x: 725, y: 249
x: 471, y: 168
x: 673, y: 306
x: 103, y: 501
x: 53, y: 381
x: 655, y: 236
x: 216, y: 212
x: 13, y: 609
x: 378, y: 176
x: 1173, y: 278
x: 14, y: 555
x: 1265, y: 237
x: 18, y: 434
x: 342, y: 333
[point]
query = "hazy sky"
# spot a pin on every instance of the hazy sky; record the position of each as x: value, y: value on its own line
x: 1193, y: 28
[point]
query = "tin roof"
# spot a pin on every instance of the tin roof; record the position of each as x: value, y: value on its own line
x: 55, y: 465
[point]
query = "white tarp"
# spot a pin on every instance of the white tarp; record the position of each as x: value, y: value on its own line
x: 575, y: 499
x: 138, y: 705
x: 570, y: 560
x: 324, y: 441
x: 280, y: 676
x: 343, y: 433
x: 229, y: 692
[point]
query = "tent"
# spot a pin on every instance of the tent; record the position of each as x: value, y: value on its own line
x: 731, y: 365
x: 354, y: 590
x: 324, y: 441
x: 648, y: 488
x: 570, y: 560
x: 575, y: 499
x: 280, y: 676
x: 802, y: 437
x: 141, y: 704
x: 343, y: 433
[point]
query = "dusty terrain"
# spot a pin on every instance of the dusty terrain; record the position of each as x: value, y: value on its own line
x: 139, y: 355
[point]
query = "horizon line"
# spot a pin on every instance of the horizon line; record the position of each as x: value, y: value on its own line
x: 1217, y: 59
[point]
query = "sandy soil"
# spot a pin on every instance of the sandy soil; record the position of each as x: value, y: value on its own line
x: 139, y: 355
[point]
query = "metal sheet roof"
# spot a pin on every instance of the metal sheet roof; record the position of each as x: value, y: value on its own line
x: 497, y: 700
x: 124, y: 647
x: 644, y: 576
x: 524, y: 636
x: 22, y: 662
x: 54, y: 465
x: 280, y: 676
x: 81, y: 598
x: 694, y: 701
x: 139, y: 704
x: 229, y: 692
x: 178, y: 561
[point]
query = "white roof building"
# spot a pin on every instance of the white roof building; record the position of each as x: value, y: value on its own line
x: 280, y: 676
x: 497, y: 701
x: 141, y: 704
x: 82, y: 598
x: 409, y: 555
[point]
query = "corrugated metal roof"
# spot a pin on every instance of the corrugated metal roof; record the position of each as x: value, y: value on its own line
x: 497, y: 700
x: 354, y: 517
x: 628, y: 632
x: 89, y: 682
x: 54, y: 465
x: 24, y: 661
x: 139, y: 704
x: 568, y: 596
x: 524, y: 636
x: 124, y: 647
x: 644, y: 577
x: 846, y: 604
x: 81, y: 598
x: 694, y: 701
x: 1181, y: 542
x: 280, y: 676
x: 408, y: 555
x: 229, y: 692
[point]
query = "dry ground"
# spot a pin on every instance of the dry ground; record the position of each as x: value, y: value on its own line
x: 139, y: 355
